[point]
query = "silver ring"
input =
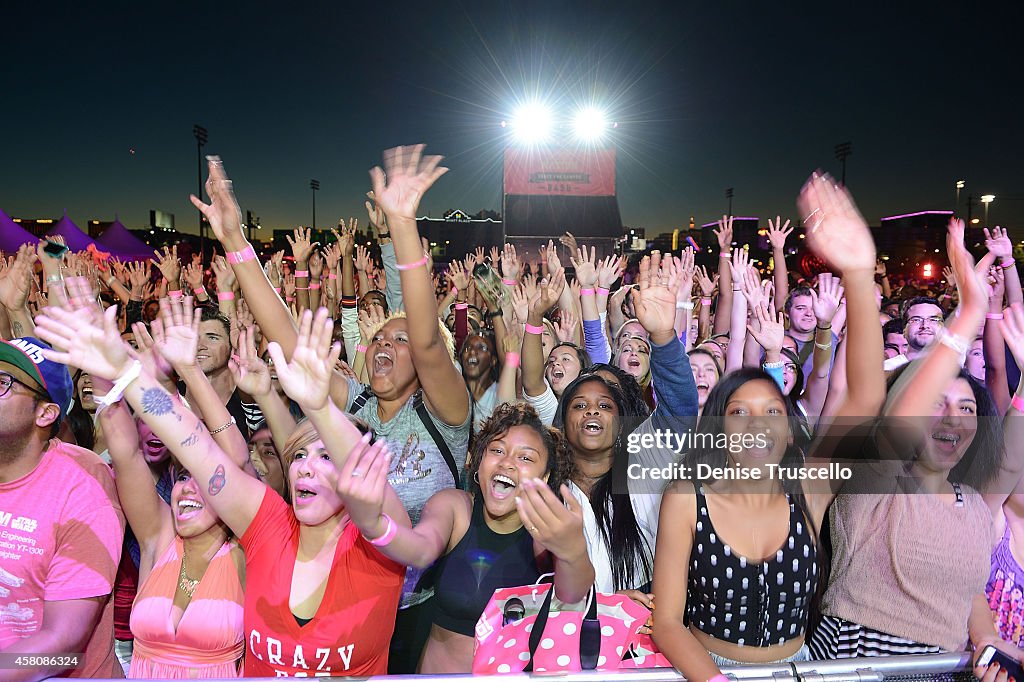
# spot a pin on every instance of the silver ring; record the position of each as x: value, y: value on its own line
x: 357, y: 473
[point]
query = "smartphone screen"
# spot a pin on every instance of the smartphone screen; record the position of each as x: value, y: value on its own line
x: 53, y: 249
x: 991, y: 655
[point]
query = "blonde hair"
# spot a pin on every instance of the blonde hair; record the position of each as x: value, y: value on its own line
x: 446, y: 336
x: 305, y: 433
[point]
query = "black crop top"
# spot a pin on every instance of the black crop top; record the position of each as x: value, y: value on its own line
x: 482, y: 562
x: 747, y: 603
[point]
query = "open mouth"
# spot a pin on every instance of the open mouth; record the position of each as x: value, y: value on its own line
x: 633, y: 362
x: 86, y: 391
x: 763, y: 445
x: 593, y: 426
x: 382, y: 363
x: 473, y: 361
x: 188, y: 508
x: 154, y: 444
x: 304, y: 492
x: 703, y: 386
x: 557, y: 374
x: 946, y: 440
x: 502, y: 486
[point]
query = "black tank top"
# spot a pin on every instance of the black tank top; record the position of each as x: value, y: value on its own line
x: 747, y: 603
x: 482, y: 562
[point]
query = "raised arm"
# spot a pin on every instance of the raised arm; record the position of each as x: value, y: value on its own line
x: 1012, y: 327
x: 398, y: 188
x: 725, y: 282
x: 533, y: 350
x: 777, y: 234
x: 998, y: 243
x: 234, y: 495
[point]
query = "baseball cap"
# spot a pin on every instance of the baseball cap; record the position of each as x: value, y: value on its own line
x: 23, y: 359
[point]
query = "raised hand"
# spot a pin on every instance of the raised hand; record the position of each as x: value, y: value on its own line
x: 510, y: 267
x: 567, y: 326
x: 586, y: 267
x: 363, y: 261
x: 836, y: 231
x: 177, y: 335
x: 478, y: 255
x: 250, y: 373
x: 301, y: 245
x: 362, y: 483
x: 288, y: 285
x: 554, y: 262
x: 495, y: 257
x: 193, y: 276
x: 706, y: 282
x: 370, y: 318
x: 547, y: 293
x: 316, y: 266
x: 457, y: 276
x: 223, y: 213
x: 168, y: 263
x: 376, y: 214
x: 569, y: 241
x: 85, y: 343
x: 306, y: 378
x: 687, y: 267
x: 16, y: 285
x: 654, y: 299
x: 224, y: 274
x: 739, y: 263
x: 405, y: 178
x: 997, y: 241
x: 608, y: 270
x: 520, y: 302
x: 827, y: 299
x: 555, y: 525
x: 777, y: 232
x: 724, y: 234
x: 753, y: 289
x: 880, y: 270
x: 767, y: 329
x: 971, y: 282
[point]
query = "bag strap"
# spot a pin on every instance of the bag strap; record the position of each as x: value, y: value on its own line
x: 590, y: 637
x: 435, y: 435
x: 360, y: 400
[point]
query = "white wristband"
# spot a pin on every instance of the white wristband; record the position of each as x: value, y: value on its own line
x: 684, y: 305
x: 117, y: 390
x: 955, y: 342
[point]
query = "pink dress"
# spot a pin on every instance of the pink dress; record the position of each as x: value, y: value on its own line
x: 208, y: 641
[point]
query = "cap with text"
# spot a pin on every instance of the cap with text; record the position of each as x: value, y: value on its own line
x: 23, y: 359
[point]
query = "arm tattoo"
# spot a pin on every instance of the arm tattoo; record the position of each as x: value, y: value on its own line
x: 218, y: 480
x: 192, y: 438
x: 17, y: 329
x: 156, y: 401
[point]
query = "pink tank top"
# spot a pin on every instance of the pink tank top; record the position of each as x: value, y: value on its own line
x: 209, y: 639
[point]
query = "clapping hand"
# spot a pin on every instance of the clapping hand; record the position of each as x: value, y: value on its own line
x: 306, y: 378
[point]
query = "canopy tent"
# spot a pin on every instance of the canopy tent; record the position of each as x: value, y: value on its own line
x: 73, y: 237
x: 13, y: 235
x: 123, y: 244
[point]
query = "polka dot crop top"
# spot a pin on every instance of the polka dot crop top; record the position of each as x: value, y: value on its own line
x: 749, y: 603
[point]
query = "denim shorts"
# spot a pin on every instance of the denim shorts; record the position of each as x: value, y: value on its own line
x: 802, y: 655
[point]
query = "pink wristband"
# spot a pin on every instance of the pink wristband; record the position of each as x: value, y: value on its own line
x: 174, y: 294
x: 462, y: 306
x: 534, y: 328
x: 289, y: 299
x: 413, y: 266
x: 1017, y: 403
x: 360, y: 348
x: 236, y: 257
x: 512, y: 359
x: 719, y: 678
x: 993, y: 316
x: 705, y: 301
x: 302, y: 273
x: 603, y: 291
x: 225, y: 295
x: 509, y: 282
x: 277, y: 289
x: 586, y: 292
x: 389, y: 533
x: 199, y: 290
x: 314, y: 286
x: 332, y: 276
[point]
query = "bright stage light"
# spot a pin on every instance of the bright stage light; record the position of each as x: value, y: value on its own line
x: 590, y: 124
x: 532, y: 123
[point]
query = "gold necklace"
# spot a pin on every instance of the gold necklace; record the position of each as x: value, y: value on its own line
x: 185, y: 583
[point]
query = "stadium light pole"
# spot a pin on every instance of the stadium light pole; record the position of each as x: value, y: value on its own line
x: 728, y: 195
x: 960, y: 184
x: 987, y: 199
x: 314, y: 185
x: 843, y: 150
x: 201, y: 137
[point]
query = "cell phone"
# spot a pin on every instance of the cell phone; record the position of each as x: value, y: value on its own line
x: 990, y: 655
x: 54, y: 249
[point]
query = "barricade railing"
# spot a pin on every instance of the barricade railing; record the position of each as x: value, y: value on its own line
x: 874, y: 669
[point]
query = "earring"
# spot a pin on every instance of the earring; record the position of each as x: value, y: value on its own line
x: 476, y: 477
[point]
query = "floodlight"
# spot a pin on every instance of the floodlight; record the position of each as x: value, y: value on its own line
x: 532, y: 123
x: 590, y: 124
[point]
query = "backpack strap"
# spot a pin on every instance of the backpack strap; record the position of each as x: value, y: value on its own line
x: 360, y: 400
x: 435, y: 435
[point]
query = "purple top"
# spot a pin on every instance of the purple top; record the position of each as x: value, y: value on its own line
x: 595, y: 342
x: 1005, y: 592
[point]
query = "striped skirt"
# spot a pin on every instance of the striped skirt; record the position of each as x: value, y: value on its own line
x: 838, y: 638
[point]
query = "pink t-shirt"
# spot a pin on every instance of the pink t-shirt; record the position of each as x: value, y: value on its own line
x: 60, y: 538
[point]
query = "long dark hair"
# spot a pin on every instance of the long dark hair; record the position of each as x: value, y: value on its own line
x: 712, y: 423
x: 630, y: 553
x: 983, y: 460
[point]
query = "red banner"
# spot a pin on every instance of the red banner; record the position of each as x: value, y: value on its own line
x: 564, y: 172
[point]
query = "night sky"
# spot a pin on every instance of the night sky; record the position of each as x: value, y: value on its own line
x: 752, y: 96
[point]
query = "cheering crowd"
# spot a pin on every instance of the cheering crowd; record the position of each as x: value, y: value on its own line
x: 327, y: 465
